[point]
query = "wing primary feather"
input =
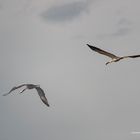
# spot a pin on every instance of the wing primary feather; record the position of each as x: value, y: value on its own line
x: 42, y: 96
x: 14, y: 88
x: 134, y: 56
x: 101, y: 51
x: 131, y: 56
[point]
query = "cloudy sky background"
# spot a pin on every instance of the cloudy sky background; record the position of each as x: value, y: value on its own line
x: 44, y: 42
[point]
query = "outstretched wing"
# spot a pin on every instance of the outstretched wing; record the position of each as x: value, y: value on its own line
x: 14, y: 88
x: 42, y: 96
x: 102, y: 51
x: 132, y: 56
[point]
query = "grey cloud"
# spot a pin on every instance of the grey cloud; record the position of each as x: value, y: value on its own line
x: 65, y: 12
x: 118, y: 33
x: 124, y: 22
x: 123, y: 27
x: 121, y: 32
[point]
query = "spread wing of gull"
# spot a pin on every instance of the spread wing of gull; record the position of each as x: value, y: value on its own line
x: 102, y: 51
x: 42, y: 95
x: 131, y: 56
x: 14, y: 88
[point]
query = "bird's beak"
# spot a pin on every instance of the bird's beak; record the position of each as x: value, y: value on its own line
x: 37, y: 85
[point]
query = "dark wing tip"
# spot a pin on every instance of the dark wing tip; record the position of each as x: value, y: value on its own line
x: 89, y: 45
x: 44, y: 100
x: 134, y: 56
x: 5, y: 94
x: 42, y: 96
x: 93, y: 48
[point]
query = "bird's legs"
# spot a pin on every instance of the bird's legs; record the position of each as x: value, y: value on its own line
x: 110, y: 62
x: 22, y: 90
x: 115, y: 60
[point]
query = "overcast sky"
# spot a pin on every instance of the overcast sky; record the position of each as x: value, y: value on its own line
x: 44, y: 42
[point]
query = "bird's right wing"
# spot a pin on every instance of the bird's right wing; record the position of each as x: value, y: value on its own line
x: 101, y: 51
x: 42, y: 96
x: 14, y: 88
x: 132, y: 56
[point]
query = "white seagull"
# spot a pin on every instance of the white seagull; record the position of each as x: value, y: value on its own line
x: 113, y: 57
x: 31, y: 86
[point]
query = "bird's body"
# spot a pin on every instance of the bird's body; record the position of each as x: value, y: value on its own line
x: 113, y: 57
x: 31, y: 86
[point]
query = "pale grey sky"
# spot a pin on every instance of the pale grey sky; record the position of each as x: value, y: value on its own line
x: 44, y: 42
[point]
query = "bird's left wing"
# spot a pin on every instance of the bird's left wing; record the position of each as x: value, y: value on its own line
x: 102, y: 51
x: 14, y: 88
x: 42, y: 96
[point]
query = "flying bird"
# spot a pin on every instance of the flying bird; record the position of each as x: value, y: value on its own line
x: 31, y: 86
x: 113, y: 57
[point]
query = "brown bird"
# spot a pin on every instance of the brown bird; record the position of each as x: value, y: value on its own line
x: 113, y: 57
x: 31, y: 86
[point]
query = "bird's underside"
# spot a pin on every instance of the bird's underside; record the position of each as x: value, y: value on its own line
x: 113, y: 57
